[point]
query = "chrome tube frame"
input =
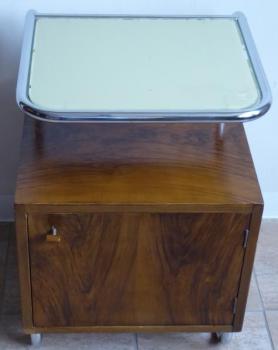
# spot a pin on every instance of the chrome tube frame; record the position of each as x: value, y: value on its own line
x: 241, y: 115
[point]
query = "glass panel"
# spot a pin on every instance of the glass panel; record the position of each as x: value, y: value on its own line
x: 140, y: 64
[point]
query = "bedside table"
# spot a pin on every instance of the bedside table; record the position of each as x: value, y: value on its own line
x: 135, y: 227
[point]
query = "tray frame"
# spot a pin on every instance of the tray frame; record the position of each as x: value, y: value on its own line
x: 220, y: 116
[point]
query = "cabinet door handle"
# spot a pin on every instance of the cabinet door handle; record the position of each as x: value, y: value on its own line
x: 53, y: 236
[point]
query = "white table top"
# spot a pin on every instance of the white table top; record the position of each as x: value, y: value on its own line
x: 130, y: 65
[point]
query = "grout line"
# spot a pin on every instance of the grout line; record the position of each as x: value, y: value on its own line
x: 265, y: 317
x: 254, y: 311
x: 268, y: 330
x: 254, y: 267
x: 258, y: 288
x: 270, y: 309
x: 136, y: 341
x: 263, y: 309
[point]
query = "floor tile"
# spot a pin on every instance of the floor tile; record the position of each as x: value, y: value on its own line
x: 266, y: 260
x: 253, y: 337
x: 268, y: 286
x: 3, y: 251
x: 13, y: 342
x: 3, y: 256
x: 4, y: 231
x: 254, y: 302
x: 272, y: 319
x: 12, y: 337
x: 11, y: 298
x: 12, y: 231
x: 3, y: 262
x: 12, y: 255
x: 11, y: 295
x: 93, y: 341
x: 11, y: 334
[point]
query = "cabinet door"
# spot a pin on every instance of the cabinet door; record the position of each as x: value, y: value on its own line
x: 135, y: 269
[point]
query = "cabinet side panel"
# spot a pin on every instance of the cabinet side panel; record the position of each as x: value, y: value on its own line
x: 23, y: 266
x: 255, y: 223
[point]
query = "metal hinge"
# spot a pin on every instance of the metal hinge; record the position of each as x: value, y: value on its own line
x: 235, y: 305
x: 246, y: 236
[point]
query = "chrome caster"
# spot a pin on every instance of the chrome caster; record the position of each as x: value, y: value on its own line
x: 222, y: 337
x: 36, y: 339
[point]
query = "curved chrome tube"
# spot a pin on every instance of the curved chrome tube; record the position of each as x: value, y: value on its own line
x: 242, y: 115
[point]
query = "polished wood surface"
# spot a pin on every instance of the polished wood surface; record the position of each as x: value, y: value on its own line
x: 247, y: 268
x: 150, y: 222
x: 136, y: 269
x: 24, y: 266
x: 136, y: 164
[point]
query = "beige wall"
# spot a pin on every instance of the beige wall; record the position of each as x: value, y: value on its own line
x: 10, y: 117
x: 262, y: 134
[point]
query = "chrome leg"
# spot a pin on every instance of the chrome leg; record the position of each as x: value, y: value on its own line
x: 36, y: 339
x: 221, y: 128
x: 224, y: 337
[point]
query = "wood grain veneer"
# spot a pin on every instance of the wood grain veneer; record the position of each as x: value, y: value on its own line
x: 136, y: 164
x: 152, y: 221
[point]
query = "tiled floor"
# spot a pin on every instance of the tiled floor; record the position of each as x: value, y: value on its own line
x: 260, y: 330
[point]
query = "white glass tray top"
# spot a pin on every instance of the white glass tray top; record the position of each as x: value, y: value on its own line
x: 87, y: 68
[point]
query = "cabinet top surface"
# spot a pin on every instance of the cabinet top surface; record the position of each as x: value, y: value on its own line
x: 135, y: 164
x: 97, y: 67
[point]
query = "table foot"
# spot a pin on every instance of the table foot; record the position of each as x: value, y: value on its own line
x: 223, y: 337
x: 36, y: 339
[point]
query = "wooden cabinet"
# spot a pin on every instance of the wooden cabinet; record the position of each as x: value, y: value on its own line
x: 135, y: 269
x: 132, y: 227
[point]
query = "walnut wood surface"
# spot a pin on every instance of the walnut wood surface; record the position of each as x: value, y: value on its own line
x: 24, y: 266
x: 136, y: 269
x: 248, y: 265
x: 136, y: 164
x: 151, y: 220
